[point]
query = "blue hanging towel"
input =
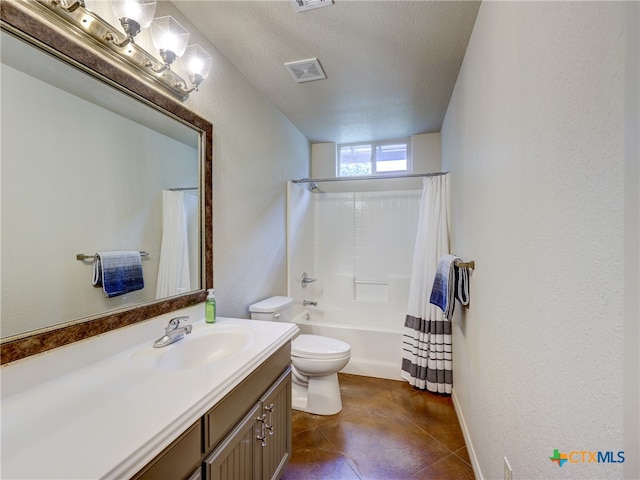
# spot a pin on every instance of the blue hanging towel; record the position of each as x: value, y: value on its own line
x: 118, y: 272
x: 450, y: 283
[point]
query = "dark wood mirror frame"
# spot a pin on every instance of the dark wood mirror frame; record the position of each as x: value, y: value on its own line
x: 32, y: 29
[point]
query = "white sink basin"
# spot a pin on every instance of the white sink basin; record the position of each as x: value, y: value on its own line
x: 204, y: 345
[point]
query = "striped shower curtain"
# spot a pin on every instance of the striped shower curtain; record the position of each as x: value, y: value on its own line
x: 426, y: 356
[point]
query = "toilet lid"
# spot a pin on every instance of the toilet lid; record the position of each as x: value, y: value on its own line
x: 316, y: 346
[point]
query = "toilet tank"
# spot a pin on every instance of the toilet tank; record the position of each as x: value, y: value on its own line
x: 273, y: 308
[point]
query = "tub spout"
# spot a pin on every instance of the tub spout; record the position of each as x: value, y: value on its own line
x: 306, y: 303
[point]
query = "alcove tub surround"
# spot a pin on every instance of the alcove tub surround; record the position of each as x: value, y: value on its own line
x: 94, y: 410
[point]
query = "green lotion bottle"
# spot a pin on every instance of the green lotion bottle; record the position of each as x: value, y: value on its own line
x: 210, y: 307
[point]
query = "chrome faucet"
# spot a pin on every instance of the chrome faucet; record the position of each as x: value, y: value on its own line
x: 175, y: 331
x: 306, y: 303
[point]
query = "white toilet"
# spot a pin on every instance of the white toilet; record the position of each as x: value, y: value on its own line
x: 315, y: 361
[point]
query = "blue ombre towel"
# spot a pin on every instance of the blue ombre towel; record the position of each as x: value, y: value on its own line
x: 449, y: 284
x: 118, y: 272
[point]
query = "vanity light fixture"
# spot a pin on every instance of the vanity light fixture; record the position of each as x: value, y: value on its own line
x: 168, y: 36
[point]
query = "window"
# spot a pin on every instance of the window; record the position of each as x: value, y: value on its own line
x: 373, y: 158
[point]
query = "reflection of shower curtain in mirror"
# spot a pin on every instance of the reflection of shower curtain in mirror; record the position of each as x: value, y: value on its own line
x: 179, y: 208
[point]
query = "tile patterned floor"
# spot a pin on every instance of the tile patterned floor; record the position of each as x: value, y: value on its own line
x: 386, y: 431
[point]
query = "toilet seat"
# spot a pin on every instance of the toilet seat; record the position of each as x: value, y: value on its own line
x: 319, y: 347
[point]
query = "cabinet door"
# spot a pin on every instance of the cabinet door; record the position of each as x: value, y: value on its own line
x: 197, y: 474
x: 178, y: 459
x: 238, y: 456
x: 223, y: 417
x: 276, y: 406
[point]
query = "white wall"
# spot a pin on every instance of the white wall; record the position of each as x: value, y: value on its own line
x: 323, y: 160
x: 534, y: 138
x: 632, y: 242
x: 256, y: 150
x: 425, y: 153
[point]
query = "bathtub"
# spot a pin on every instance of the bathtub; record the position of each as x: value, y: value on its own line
x: 376, y: 350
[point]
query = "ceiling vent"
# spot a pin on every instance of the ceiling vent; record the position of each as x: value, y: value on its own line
x: 303, y: 5
x: 306, y: 70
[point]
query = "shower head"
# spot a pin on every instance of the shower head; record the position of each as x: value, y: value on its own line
x: 312, y: 185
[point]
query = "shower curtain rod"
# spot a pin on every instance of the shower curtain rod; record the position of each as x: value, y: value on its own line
x: 342, y: 179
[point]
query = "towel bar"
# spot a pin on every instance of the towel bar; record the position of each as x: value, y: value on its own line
x: 370, y: 282
x: 470, y: 264
x: 82, y: 256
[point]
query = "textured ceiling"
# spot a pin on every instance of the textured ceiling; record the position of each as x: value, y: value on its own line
x: 391, y: 65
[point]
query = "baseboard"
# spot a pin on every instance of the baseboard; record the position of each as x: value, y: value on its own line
x: 467, y: 439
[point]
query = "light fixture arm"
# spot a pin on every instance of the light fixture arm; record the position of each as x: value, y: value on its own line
x: 196, y: 79
x: 162, y: 68
x: 110, y: 37
x: 168, y: 56
x: 70, y: 8
x: 130, y: 27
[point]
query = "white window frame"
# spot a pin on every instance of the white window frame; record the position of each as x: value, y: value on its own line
x: 373, y: 160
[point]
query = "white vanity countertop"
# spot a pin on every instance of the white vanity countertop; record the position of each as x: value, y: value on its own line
x: 91, y: 410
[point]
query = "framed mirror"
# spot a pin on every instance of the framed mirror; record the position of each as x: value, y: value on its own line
x: 75, y: 184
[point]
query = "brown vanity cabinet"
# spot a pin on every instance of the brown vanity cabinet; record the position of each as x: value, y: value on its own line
x: 245, y: 436
x: 260, y: 445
